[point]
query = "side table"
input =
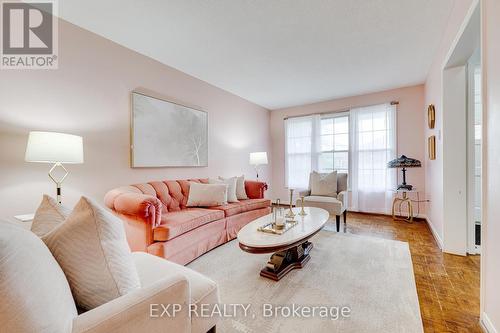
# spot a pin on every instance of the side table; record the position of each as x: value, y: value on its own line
x: 401, y: 201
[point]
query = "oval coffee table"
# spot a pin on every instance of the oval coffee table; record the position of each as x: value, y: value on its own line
x: 291, y: 249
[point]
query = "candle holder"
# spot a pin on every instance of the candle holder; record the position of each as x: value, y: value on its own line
x: 302, y: 211
x: 280, y: 219
x: 290, y: 213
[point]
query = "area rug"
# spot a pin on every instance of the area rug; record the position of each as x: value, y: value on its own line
x: 371, y: 280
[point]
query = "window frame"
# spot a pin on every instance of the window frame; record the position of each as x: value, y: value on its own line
x: 332, y: 115
x: 315, y: 155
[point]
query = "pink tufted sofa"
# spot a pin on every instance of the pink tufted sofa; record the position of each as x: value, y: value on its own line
x: 157, y: 220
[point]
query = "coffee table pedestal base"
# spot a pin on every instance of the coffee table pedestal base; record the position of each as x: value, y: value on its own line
x: 284, y: 261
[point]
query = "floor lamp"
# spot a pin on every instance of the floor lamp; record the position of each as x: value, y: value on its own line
x: 56, y: 148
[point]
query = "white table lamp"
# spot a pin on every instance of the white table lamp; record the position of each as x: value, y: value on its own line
x: 257, y: 159
x: 57, y: 148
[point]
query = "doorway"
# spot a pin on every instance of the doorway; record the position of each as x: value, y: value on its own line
x: 474, y: 156
x: 461, y: 140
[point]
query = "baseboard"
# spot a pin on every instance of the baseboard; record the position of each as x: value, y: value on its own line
x: 486, y: 324
x: 416, y: 217
x: 438, y: 239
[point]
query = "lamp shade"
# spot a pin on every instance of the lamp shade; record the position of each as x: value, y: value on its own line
x: 404, y: 162
x: 52, y: 147
x: 258, y: 158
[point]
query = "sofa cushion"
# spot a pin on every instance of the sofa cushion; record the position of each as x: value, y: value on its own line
x: 241, y: 193
x: 190, y: 245
x: 231, y: 187
x: 243, y: 206
x: 91, y: 248
x: 48, y: 216
x: 35, y: 293
x: 236, y: 222
x: 332, y: 205
x: 176, y: 223
x: 204, y: 291
x: 207, y: 195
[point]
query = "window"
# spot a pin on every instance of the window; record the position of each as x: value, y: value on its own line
x: 373, y: 134
x: 298, y: 150
x: 315, y: 143
x: 334, y: 143
x: 359, y: 142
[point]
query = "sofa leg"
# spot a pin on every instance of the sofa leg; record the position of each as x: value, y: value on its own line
x: 337, y: 219
x: 345, y: 220
x: 212, y: 330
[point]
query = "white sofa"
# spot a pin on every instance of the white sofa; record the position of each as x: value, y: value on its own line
x: 335, y: 205
x: 36, y: 296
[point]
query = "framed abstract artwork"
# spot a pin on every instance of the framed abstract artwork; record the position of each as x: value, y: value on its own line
x: 167, y: 134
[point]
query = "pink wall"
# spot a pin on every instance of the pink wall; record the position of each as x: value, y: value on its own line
x: 410, y: 119
x: 89, y: 95
x: 490, y: 272
x: 433, y: 95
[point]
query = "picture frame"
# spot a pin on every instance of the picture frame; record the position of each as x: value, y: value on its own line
x: 431, y: 141
x: 431, y: 116
x: 166, y: 133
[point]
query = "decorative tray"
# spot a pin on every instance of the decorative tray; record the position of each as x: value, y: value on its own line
x: 271, y: 227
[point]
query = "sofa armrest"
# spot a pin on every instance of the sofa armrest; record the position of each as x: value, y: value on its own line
x: 343, y: 197
x: 141, y: 213
x: 142, y: 206
x: 255, y: 189
x: 141, y: 310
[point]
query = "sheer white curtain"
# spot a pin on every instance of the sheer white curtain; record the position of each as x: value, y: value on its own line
x: 373, y: 144
x: 301, y: 150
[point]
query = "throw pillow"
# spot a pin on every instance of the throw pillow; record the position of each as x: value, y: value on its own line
x: 207, y: 195
x: 49, y: 215
x: 241, y: 193
x: 35, y: 293
x: 324, y: 184
x: 231, y: 187
x: 91, y: 248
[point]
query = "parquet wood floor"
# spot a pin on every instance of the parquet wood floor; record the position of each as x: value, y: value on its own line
x: 447, y: 285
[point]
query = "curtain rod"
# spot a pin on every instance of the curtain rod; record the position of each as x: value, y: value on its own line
x: 338, y: 111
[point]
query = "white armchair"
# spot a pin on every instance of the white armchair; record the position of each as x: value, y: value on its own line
x: 131, y: 312
x: 36, y: 296
x: 335, y: 205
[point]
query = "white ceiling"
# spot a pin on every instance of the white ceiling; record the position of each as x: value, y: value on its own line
x: 278, y: 53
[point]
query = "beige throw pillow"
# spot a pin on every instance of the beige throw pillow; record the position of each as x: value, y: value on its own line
x: 231, y: 187
x: 49, y: 215
x: 324, y: 184
x: 35, y: 293
x: 241, y: 193
x: 91, y: 248
x: 207, y: 195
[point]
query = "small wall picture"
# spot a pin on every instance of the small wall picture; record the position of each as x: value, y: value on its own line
x: 432, y: 147
x: 431, y: 116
